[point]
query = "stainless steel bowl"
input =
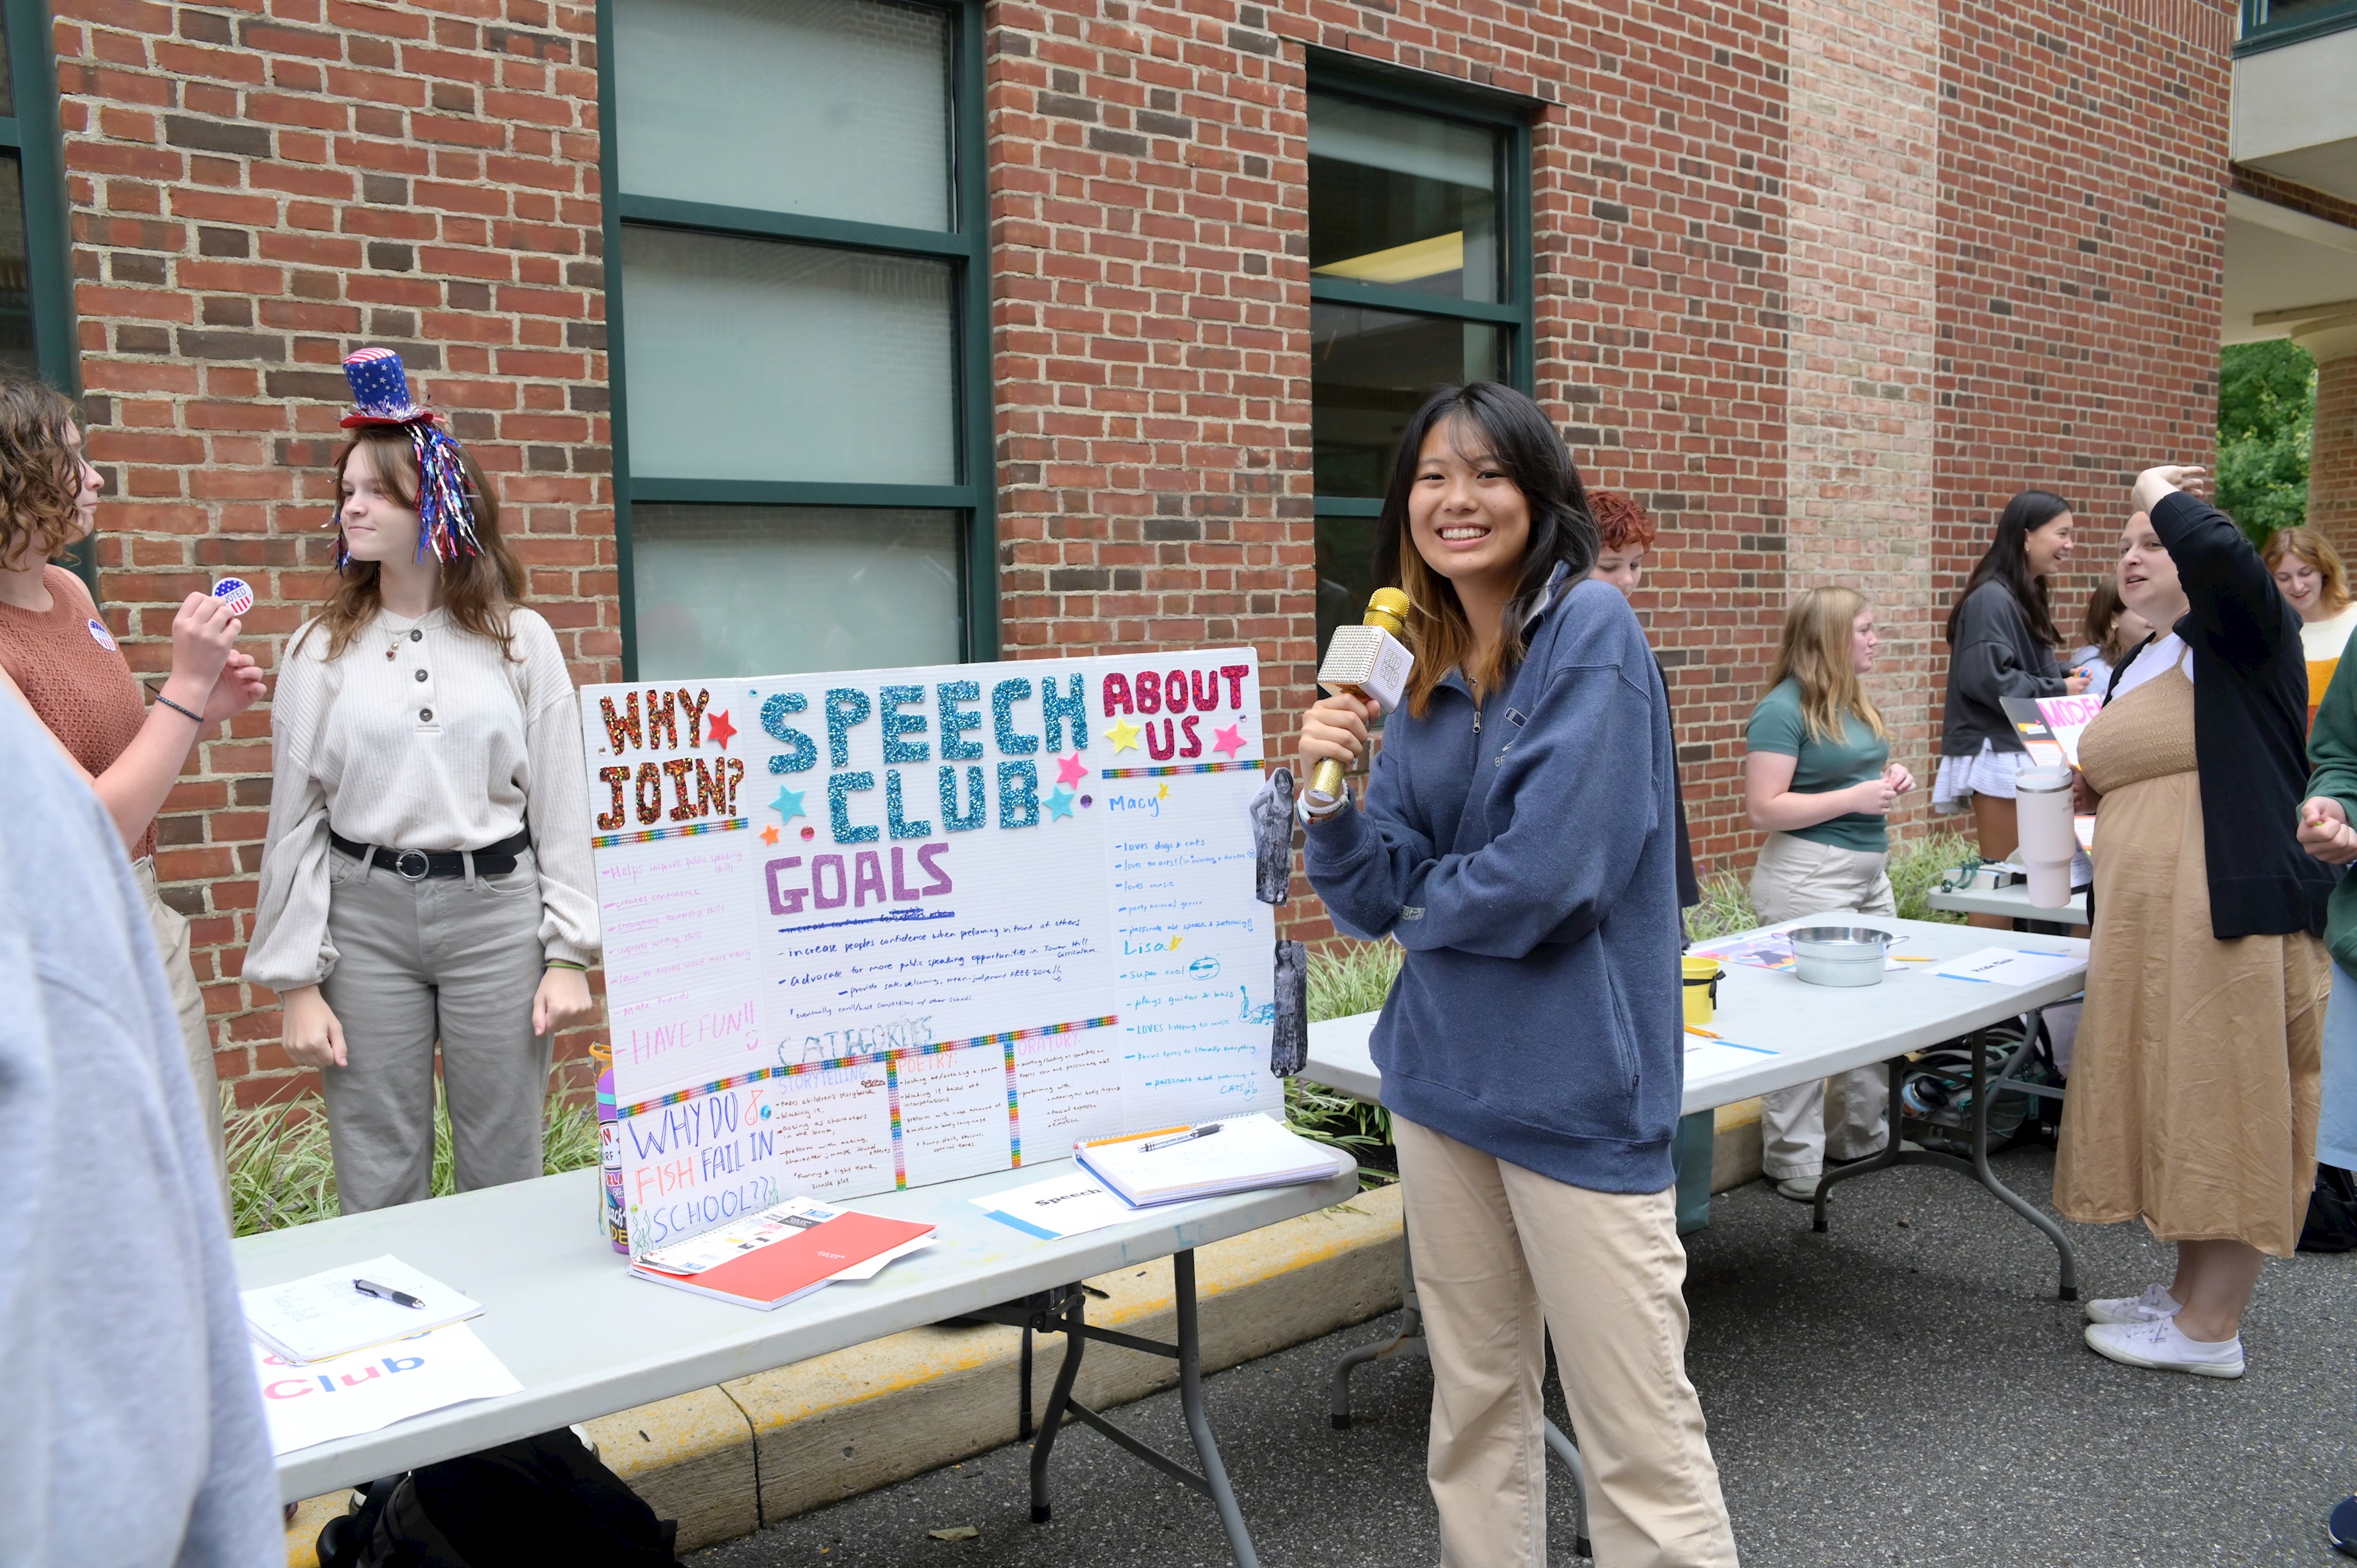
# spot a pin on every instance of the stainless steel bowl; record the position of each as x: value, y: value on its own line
x: 1840, y: 955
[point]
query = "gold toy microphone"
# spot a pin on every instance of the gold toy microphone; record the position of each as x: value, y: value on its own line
x: 1366, y: 661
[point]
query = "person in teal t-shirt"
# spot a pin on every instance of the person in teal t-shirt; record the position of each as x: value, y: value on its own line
x: 1817, y: 776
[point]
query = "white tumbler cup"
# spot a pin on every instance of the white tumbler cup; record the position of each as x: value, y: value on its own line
x: 2041, y: 800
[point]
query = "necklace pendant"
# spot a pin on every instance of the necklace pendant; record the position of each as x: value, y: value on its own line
x: 389, y: 653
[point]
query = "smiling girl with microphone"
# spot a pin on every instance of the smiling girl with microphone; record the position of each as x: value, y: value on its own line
x: 1518, y: 839
x: 426, y: 874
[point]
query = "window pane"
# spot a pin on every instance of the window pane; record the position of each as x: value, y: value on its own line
x: 1370, y: 369
x: 7, y: 82
x: 16, y: 284
x: 1403, y: 199
x: 748, y: 590
x: 753, y: 359
x: 828, y: 108
x: 1346, y: 571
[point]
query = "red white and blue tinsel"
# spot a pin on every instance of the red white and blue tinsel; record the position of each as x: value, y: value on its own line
x: 445, y: 510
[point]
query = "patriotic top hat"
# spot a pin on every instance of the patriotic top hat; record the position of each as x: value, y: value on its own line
x: 446, y: 507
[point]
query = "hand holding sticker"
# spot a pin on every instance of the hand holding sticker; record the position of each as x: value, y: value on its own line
x: 233, y: 593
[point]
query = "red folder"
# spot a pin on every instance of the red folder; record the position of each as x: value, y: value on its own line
x: 797, y: 1265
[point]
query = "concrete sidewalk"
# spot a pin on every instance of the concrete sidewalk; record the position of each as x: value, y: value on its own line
x: 1902, y: 1391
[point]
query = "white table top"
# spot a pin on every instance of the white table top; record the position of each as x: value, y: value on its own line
x: 2012, y: 902
x: 1813, y: 1030
x: 587, y: 1341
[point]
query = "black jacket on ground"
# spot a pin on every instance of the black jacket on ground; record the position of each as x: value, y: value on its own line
x: 2250, y: 726
x: 1993, y: 656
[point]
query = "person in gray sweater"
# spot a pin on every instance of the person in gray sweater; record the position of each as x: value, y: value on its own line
x: 133, y: 1435
x: 1519, y: 840
x: 2002, y: 643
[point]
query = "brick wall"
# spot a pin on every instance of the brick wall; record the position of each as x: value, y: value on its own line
x: 2333, y: 455
x: 1865, y: 129
x: 256, y: 190
x: 1150, y: 246
x: 2082, y: 174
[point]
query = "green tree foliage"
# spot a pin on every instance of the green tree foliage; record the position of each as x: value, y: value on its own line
x: 2266, y: 409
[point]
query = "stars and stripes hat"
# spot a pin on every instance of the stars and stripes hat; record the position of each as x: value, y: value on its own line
x: 446, y: 505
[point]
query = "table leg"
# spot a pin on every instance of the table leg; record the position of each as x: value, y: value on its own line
x: 1052, y: 1421
x: 2069, y: 1290
x: 1199, y: 1423
x: 1408, y: 1341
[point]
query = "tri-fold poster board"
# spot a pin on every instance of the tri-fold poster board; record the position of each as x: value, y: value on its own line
x: 874, y: 930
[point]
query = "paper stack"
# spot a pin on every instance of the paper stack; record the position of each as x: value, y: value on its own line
x: 783, y: 1254
x: 324, y: 1315
x: 1245, y: 1153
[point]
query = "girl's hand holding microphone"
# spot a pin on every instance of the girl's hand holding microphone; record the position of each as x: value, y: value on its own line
x: 1335, y: 730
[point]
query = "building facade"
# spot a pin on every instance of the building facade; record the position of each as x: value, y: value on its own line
x: 808, y: 334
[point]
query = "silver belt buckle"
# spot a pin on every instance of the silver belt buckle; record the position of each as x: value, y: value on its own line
x: 401, y: 865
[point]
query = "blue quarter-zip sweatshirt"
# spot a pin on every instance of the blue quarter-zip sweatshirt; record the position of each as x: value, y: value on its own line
x: 1524, y: 855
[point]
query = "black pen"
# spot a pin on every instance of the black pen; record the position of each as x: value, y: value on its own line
x: 386, y: 1293
x: 1205, y: 1130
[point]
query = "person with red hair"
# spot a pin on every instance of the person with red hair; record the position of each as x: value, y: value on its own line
x: 1624, y: 531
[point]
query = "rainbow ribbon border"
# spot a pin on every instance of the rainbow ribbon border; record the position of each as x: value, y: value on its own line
x: 1174, y: 770
x: 615, y: 840
x: 867, y: 1059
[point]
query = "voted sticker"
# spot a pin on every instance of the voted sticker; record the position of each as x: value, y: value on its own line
x: 233, y: 593
x: 99, y: 635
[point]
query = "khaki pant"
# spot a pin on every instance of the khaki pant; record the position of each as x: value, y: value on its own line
x: 453, y: 959
x: 171, y: 928
x: 1797, y: 876
x: 1503, y: 1257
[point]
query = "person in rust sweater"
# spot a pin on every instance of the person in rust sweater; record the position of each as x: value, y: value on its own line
x: 58, y: 655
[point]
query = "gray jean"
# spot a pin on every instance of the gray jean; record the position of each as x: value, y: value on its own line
x: 456, y: 959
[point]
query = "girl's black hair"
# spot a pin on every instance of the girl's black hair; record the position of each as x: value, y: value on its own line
x: 1524, y: 444
x: 2007, y: 562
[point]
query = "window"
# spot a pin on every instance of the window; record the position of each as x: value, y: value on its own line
x: 798, y: 310
x: 1419, y: 276
x: 36, y: 292
x: 2270, y: 24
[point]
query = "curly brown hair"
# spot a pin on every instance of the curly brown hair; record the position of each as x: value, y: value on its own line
x: 477, y: 590
x: 1621, y: 521
x: 40, y: 471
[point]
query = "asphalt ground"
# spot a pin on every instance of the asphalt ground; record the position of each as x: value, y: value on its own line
x: 1903, y: 1390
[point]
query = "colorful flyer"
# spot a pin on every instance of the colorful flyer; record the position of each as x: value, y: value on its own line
x: 874, y: 930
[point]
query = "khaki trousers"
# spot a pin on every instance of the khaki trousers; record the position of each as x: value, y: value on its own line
x: 1503, y: 1257
x: 453, y: 959
x: 171, y: 928
x: 1798, y: 876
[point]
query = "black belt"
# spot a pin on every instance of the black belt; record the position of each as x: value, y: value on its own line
x: 417, y: 865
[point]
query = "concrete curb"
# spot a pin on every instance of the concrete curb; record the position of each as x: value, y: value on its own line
x: 724, y: 1461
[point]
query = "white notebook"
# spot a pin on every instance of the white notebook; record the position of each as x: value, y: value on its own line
x: 1247, y: 1153
x: 321, y: 1315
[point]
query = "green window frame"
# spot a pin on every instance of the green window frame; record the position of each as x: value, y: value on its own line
x: 31, y: 137
x: 963, y: 245
x: 1343, y: 522
x: 2272, y: 24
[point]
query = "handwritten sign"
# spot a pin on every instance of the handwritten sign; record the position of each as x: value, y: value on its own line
x: 873, y: 930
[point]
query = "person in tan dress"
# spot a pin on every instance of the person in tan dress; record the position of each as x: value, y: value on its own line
x: 2193, y: 1091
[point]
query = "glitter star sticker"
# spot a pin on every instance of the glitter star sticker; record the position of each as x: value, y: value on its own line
x: 1230, y: 740
x: 1059, y: 804
x: 788, y: 805
x: 1072, y: 770
x: 720, y: 729
x: 1124, y: 736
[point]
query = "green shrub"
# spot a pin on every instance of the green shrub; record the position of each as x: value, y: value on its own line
x: 282, y: 1173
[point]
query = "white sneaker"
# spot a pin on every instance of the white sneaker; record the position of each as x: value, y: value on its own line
x: 2161, y: 1347
x: 2153, y: 1305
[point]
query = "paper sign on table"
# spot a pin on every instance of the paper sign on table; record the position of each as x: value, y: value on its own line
x: 321, y: 1315
x: 2010, y: 966
x: 2066, y: 717
x: 1060, y: 1206
x: 1712, y: 1058
x: 344, y: 1396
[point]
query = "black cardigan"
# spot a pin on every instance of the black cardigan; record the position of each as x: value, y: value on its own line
x: 2250, y: 726
x: 1995, y: 656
